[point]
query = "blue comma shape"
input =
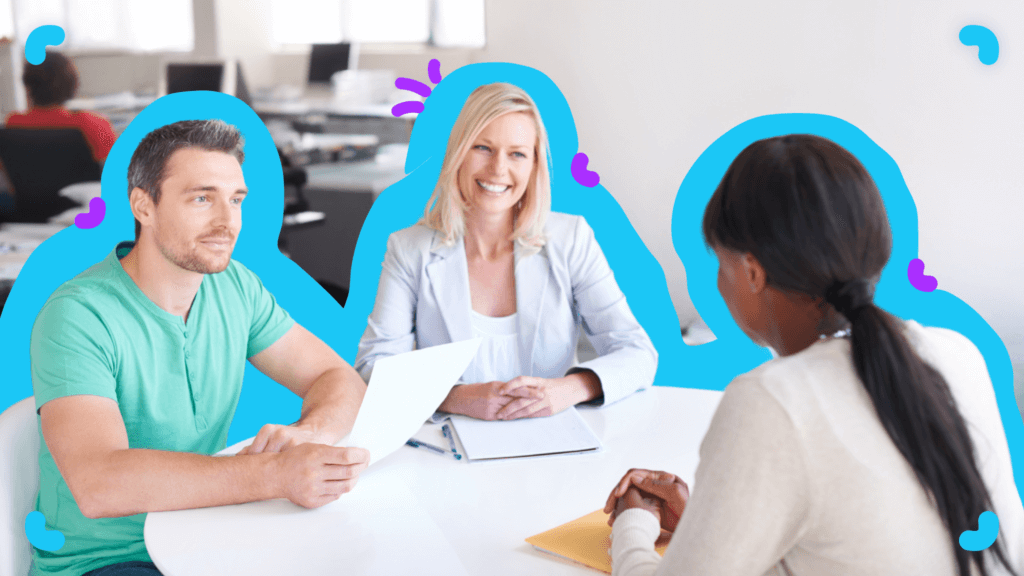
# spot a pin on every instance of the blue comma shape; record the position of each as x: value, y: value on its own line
x: 984, y: 536
x: 39, y: 39
x: 984, y: 39
x: 715, y: 364
x: 39, y: 536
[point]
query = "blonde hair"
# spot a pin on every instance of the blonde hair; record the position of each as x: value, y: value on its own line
x: 445, y: 211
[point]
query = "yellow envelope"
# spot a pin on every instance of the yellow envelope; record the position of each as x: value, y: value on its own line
x: 585, y: 540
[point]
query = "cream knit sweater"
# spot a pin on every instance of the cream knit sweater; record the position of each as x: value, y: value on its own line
x: 797, y: 476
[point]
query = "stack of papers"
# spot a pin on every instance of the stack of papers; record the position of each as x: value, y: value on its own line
x: 563, y: 433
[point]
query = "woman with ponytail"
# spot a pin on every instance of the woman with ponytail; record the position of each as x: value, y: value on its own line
x: 868, y: 445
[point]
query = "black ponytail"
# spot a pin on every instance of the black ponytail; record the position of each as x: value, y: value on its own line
x: 917, y: 409
x: 811, y: 215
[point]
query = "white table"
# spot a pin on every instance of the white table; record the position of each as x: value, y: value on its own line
x: 422, y: 513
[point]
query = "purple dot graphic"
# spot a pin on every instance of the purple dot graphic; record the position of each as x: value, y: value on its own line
x: 579, y: 171
x: 92, y: 218
x: 434, y: 70
x: 409, y: 107
x: 917, y: 277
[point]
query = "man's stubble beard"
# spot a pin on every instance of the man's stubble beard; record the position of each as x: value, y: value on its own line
x: 191, y: 260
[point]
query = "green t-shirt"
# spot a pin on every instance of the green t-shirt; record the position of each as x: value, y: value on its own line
x: 177, y: 384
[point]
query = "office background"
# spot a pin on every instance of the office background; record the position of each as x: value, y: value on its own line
x: 652, y: 84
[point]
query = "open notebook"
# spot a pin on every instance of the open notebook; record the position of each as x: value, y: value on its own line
x: 563, y: 433
x: 585, y: 540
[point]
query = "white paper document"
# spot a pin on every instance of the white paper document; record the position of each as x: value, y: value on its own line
x: 562, y: 433
x: 404, y: 391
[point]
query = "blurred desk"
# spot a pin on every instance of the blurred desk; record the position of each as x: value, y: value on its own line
x: 314, y: 114
x: 17, y: 241
x: 345, y: 192
x: 325, y: 116
x: 120, y: 108
x: 321, y: 105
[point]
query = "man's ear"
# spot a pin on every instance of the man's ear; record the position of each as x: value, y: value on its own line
x: 142, y: 206
x: 754, y: 273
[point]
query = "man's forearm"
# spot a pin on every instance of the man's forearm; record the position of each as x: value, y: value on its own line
x: 133, y: 481
x: 330, y: 406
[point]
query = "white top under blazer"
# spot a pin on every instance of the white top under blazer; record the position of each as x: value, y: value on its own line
x: 497, y: 359
x: 423, y: 300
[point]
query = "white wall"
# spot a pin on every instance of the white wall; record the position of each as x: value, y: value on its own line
x: 243, y: 32
x: 651, y: 85
x: 102, y: 73
x: 12, y: 93
x: 292, y: 68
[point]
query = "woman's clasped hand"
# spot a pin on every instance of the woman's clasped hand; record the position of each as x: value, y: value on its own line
x: 661, y: 493
x: 521, y: 397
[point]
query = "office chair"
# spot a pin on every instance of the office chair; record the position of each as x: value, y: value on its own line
x: 5, y: 292
x: 294, y: 179
x: 41, y: 161
x: 19, y: 482
x: 296, y: 209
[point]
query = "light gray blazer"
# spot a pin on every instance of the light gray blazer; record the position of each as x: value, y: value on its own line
x: 423, y: 300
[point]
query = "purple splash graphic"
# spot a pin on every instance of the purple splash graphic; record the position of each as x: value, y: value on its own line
x: 917, y: 277
x: 408, y: 107
x: 434, y: 71
x: 92, y: 218
x: 415, y: 86
x: 579, y: 171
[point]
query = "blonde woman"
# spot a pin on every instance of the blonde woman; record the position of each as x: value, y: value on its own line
x: 489, y: 259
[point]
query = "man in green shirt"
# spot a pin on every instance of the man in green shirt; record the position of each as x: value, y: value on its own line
x: 137, y: 366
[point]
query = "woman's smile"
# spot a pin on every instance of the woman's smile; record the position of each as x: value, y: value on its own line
x: 496, y: 189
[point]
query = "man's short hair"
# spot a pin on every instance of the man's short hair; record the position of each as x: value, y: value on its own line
x: 147, y: 169
x: 52, y: 82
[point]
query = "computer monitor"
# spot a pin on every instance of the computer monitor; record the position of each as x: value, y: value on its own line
x: 215, y: 76
x: 326, y: 59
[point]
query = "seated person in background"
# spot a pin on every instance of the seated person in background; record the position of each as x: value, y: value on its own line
x: 48, y: 86
x: 137, y: 366
x: 869, y: 445
x: 490, y: 259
